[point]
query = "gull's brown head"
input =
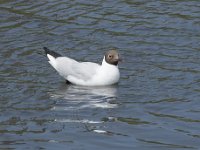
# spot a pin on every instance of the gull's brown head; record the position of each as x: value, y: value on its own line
x: 112, y: 57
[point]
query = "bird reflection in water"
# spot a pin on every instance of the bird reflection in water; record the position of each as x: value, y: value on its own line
x: 79, y: 103
x: 82, y: 97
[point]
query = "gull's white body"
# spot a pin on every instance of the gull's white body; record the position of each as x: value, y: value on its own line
x: 85, y: 73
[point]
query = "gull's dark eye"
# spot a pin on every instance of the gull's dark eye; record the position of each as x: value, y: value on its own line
x: 110, y: 56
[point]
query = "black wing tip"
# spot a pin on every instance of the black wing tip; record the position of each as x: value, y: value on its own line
x: 52, y: 53
x: 47, y: 51
x: 68, y: 82
x: 45, y: 48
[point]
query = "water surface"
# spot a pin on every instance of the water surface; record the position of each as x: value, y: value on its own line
x: 155, y: 105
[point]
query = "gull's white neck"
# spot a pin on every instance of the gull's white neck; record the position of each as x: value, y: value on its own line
x: 105, y: 64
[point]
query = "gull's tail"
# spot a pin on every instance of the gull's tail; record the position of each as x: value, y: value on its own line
x: 52, y: 56
x: 52, y: 53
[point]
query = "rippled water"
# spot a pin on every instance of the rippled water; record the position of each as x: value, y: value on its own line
x: 155, y: 105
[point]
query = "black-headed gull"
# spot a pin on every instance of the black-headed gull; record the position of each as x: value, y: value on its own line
x: 86, y: 73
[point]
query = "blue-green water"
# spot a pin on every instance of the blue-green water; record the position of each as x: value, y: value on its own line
x: 155, y: 106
